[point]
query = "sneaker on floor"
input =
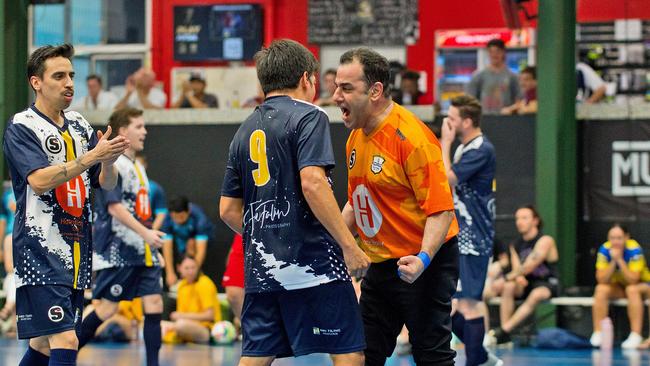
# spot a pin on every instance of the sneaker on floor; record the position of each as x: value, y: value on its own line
x: 489, y: 340
x: 500, y: 336
x: 595, y: 339
x: 633, y: 341
x: 492, y: 360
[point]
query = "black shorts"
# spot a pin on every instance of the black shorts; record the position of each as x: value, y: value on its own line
x: 126, y: 283
x: 320, y: 319
x: 387, y: 303
x: 47, y: 309
x: 551, y: 283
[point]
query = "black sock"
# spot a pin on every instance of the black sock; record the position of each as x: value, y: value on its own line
x: 458, y: 325
x: 474, y: 332
x: 88, y: 328
x: 152, y: 337
x: 63, y: 357
x: 34, y: 358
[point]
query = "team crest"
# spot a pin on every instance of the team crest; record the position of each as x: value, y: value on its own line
x: 55, y: 313
x: 377, y: 164
x: 116, y: 290
x: 353, y: 159
x: 53, y: 144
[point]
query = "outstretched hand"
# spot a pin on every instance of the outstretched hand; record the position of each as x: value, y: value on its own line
x: 107, y: 151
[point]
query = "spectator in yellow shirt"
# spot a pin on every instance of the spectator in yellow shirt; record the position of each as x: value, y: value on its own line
x: 197, y: 306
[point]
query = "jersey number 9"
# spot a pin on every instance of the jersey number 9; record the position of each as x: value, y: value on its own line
x: 261, y: 175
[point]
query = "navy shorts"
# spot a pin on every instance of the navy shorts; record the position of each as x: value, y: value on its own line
x: 48, y: 309
x: 321, y: 319
x: 473, y: 271
x: 126, y: 283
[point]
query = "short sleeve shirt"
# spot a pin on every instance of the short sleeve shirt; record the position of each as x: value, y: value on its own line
x: 632, y: 255
x: 198, y: 297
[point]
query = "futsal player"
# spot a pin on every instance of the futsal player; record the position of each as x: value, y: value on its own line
x: 54, y: 157
x: 125, y: 255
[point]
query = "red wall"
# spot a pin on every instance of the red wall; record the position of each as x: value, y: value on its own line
x: 288, y: 19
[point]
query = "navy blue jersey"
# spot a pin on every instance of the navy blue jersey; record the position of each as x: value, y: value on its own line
x: 52, y: 231
x: 157, y: 198
x: 115, y: 244
x: 474, y: 166
x: 286, y: 246
x: 197, y: 227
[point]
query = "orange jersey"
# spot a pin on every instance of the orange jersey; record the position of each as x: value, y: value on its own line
x: 396, y: 178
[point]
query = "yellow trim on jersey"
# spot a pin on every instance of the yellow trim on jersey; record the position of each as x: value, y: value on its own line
x: 76, y: 257
x: 148, y: 260
x: 69, y: 146
x: 76, y: 248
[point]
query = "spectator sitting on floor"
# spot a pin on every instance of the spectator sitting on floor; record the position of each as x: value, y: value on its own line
x: 197, y: 306
x: 194, y: 95
x: 124, y: 325
x: 528, y: 84
x: 620, y: 268
x: 533, y: 275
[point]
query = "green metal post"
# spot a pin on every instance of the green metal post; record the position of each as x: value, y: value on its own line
x: 13, y: 56
x: 556, y: 130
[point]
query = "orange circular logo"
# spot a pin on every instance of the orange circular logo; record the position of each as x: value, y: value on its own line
x: 71, y: 196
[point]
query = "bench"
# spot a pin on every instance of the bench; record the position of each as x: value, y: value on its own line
x: 571, y: 301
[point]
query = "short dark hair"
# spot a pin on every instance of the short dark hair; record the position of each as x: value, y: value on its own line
x: 122, y: 118
x: 532, y: 209
x: 496, y: 42
x: 375, y: 66
x: 469, y: 107
x: 620, y: 226
x: 94, y: 77
x: 330, y: 72
x: 410, y: 75
x: 281, y: 65
x: 36, y: 62
x: 179, y: 204
x: 531, y: 70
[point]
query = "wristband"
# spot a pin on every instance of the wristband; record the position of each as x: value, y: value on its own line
x: 424, y: 257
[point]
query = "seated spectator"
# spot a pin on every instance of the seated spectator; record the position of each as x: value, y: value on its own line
x: 533, y: 275
x: 620, y: 268
x: 97, y: 98
x: 256, y: 100
x: 591, y: 87
x: 495, y: 86
x: 328, y: 89
x: 528, y: 84
x: 156, y: 196
x: 141, y: 93
x: 197, y: 306
x: 187, y: 230
x: 411, y: 94
x: 124, y: 325
x: 194, y: 95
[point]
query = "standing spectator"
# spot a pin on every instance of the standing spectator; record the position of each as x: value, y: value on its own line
x: 471, y: 173
x: 299, y: 297
x: 52, y: 240
x: 620, y: 269
x: 411, y: 94
x: 194, y: 95
x: 141, y: 93
x: 329, y: 87
x: 97, y: 98
x: 533, y: 276
x: 124, y: 255
x: 528, y: 84
x: 495, y: 86
x: 187, y: 230
x: 591, y: 87
x: 197, y: 306
x: 400, y: 204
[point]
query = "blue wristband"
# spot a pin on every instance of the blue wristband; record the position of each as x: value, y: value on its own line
x: 424, y: 257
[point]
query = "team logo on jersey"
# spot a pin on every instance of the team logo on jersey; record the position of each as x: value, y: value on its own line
x: 142, y: 205
x: 116, y: 290
x: 353, y: 158
x: 55, y: 313
x: 377, y: 164
x: 366, y: 213
x: 71, y: 196
x: 53, y: 144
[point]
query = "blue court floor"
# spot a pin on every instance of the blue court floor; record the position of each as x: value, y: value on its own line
x: 133, y: 354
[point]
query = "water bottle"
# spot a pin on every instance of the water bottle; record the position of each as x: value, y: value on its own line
x: 606, y: 334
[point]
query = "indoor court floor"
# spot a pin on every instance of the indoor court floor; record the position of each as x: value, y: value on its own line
x: 194, y: 355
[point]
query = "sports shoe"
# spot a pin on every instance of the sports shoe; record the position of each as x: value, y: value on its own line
x: 633, y: 341
x: 595, y: 339
x: 492, y: 360
x: 500, y: 336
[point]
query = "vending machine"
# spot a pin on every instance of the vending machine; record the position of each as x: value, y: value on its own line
x: 459, y: 53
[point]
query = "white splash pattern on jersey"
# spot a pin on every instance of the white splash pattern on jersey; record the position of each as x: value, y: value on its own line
x: 287, y: 274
